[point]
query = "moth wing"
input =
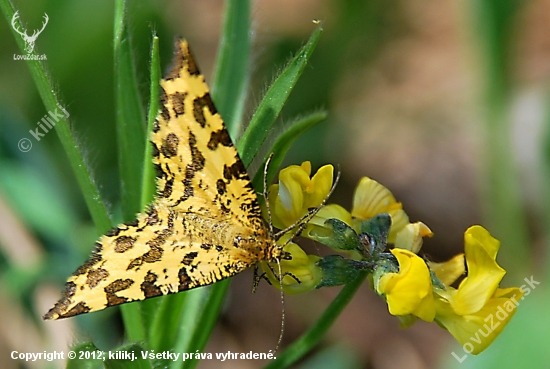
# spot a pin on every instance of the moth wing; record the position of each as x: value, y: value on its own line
x: 163, y: 252
x: 199, y: 169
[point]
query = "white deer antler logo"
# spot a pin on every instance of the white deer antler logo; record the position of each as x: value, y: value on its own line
x: 29, y: 40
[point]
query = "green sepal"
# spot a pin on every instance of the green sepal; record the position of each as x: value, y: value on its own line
x: 377, y: 228
x: 335, y: 234
x: 338, y: 270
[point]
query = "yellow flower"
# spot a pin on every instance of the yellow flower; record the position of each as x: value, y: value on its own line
x: 296, y: 192
x: 409, y: 291
x: 478, y: 310
x: 410, y: 236
x: 449, y: 271
x: 371, y: 198
x: 300, y: 274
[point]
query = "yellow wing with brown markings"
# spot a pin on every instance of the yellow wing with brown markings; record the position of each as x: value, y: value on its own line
x: 204, y: 224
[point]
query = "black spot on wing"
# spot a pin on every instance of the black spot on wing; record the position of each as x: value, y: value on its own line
x: 169, y: 146
x: 185, y: 280
x: 155, y: 252
x: 152, y: 216
x: 197, y: 159
x: 79, y: 308
x: 188, y: 258
x: 113, y: 288
x: 219, y: 137
x: 167, y: 191
x: 236, y: 170
x: 198, y: 108
x: 164, y: 113
x: 124, y: 243
x: 94, y: 277
x: 221, y: 187
x: 148, y: 286
x: 178, y: 105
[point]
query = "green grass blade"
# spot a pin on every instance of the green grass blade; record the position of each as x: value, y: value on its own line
x: 189, y: 323
x: 232, y: 64
x: 87, y: 357
x: 148, y: 185
x: 282, y: 145
x: 162, y: 336
x: 149, y: 307
x: 207, y: 321
x: 273, y: 101
x: 52, y: 102
x: 311, y: 338
x: 131, y: 145
x: 129, y: 117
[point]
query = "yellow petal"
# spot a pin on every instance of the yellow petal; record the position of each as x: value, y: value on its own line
x: 372, y: 198
x: 449, y: 271
x: 329, y: 212
x: 319, y: 186
x: 296, y: 192
x: 410, y: 236
x: 484, y: 274
x: 477, y: 331
x: 410, y: 290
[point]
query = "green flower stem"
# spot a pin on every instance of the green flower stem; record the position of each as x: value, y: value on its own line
x: 311, y: 338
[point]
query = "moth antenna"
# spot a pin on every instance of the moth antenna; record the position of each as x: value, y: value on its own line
x: 302, y: 222
x: 265, y: 195
x: 280, y: 277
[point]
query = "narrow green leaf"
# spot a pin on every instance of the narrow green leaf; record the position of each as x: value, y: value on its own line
x: 52, y: 103
x: 131, y: 146
x: 207, y: 320
x: 129, y: 117
x: 273, y: 101
x: 282, y: 145
x: 163, y: 336
x: 232, y: 65
x: 86, y: 356
x: 189, y: 323
x: 313, y: 336
x: 151, y: 308
x: 148, y: 185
